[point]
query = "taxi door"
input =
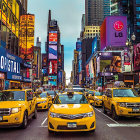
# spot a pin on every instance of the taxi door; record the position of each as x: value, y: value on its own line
x: 109, y: 98
x: 30, y: 101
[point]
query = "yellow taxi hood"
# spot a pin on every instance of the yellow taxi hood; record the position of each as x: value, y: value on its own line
x: 127, y: 99
x: 98, y: 97
x: 71, y: 108
x: 41, y: 99
x: 11, y: 104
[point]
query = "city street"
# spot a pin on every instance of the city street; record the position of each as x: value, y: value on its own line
x: 107, y: 129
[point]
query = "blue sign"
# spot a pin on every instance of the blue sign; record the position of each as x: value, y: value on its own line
x: 60, y: 76
x: 10, y: 64
x: 78, y: 46
x: 26, y: 79
x: 52, y: 80
x: 94, y: 45
x: 6, y: 85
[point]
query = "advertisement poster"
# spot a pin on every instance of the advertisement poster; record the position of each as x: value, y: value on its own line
x: 53, y: 67
x: 137, y: 57
x: 94, y: 45
x: 114, y: 32
x: 53, y: 37
x: 52, y: 51
x: 52, y: 80
x: 26, y: 40
x: 109, y: 62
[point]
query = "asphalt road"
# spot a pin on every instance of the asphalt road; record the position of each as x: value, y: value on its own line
x: 107, y: 129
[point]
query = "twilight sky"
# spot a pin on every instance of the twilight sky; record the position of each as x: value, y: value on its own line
x: 68, y: 13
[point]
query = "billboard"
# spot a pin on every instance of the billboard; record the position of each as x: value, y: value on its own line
x: 52, y: 51
x: 9, y: 15
x: 114, y: 32
x: 87, y: 70
x: 53, y: 67
x: 137, y: 57
x: 126, y: 62
x: 53, y: 37
x: 94, y: 45
x: 109, y: 62
x: 78, y: 46
x: 26, y: 40
x: 52, y: 80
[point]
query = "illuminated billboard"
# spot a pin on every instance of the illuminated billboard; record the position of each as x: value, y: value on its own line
x: 44, y: 61
x: 137, y: 57
x: 53, y: 67
x: 26, y: 41
x: 114, y: 32
x: 53, y: 37
x: 52, y: 51
x: 109, y: 62
x: 52, y: 80
x: 9, y: 15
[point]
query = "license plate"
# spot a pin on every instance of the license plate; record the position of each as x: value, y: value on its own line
x: 71, y: 125
x: 1, y: 118
x: 136, y: 109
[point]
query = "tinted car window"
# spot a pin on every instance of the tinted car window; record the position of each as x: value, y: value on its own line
x: 71, y: 99
x: 12, y: 96
x: 124, y: 93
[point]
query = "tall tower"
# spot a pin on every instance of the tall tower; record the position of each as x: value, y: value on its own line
x: 94, y: 12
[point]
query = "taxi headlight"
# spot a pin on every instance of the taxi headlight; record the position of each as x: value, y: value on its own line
x: 15, y: 110
x: 90, y: 114
x: 54, y: 115
x: 122, y: 104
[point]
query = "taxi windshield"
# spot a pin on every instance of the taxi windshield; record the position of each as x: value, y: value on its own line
x: 91, y: 92
x: 124, y: 93
x: 12, y: 96
x: 43, y: 95
x: 71, y: 99
x: 51, y: 92
x: 98, y: 93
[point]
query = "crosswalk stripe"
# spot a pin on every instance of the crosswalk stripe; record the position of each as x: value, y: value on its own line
x: 123, y: 125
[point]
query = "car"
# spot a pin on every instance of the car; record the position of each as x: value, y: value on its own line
x: 43, y: 101
x: 97, y: 97
x: 121, y: 102
x: 70, y: 112
x: 16, y: 107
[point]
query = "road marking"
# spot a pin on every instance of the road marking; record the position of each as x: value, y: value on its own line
x: 106, y: 116
x: 123, y: 125
x: 44, y: 121
x: 43, y: 126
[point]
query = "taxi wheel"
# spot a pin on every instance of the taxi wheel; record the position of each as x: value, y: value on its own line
x: 25, y: 121
x: 104, y: 109
x: 35, y: 114
x: 114, y: 114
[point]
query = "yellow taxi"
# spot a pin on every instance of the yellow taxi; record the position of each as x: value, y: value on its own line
x: 16, y: 107
x: 70, y: 112
x: 43, y: 101
x: 97, y: 97
x: 121, y: 102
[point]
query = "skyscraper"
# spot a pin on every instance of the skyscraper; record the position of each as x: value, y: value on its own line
x: 106, y: 8
x: 94, y: 12
x: 131, y: 9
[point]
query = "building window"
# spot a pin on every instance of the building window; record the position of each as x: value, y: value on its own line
x: 138, y: 23
x: 137, y: 8
x: 137, y: 1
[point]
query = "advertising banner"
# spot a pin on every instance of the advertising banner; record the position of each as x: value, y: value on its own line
x: 52, y: 80
x: 26, y: 41
x: 53, y: 67
x: 52, y: 51
x: 60, y: 75
x: 94, y: 45
x: 137, y: 57
x: 87, y: 70
x: 114, y: 32
x: 10, y: 64
x: 10, y: 10
x: 126, y: 62
x: 53, y: 37
x: 109, y: 62
x: 78, y: 46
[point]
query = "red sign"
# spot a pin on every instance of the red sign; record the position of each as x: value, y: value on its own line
x: 52, y: 37
x: 53, y: 67
x: 118, y: 25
